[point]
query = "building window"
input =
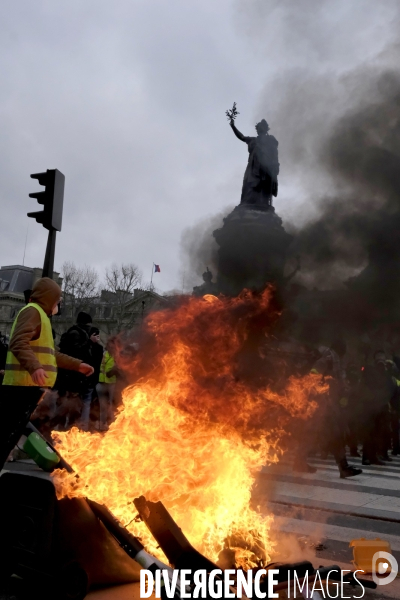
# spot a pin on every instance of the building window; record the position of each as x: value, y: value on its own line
x: 13, y: 312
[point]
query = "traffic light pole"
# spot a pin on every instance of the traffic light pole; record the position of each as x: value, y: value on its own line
x: 52, y: 198
x: 48, y: 266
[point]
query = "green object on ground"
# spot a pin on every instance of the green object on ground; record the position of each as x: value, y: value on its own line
x: 38, y: 449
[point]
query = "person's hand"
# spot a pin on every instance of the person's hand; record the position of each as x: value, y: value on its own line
x: 86, y: 369
x: 95, y: 338
x: 39, y: 377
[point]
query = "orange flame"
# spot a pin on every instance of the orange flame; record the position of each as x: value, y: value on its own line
x: 195, y: 428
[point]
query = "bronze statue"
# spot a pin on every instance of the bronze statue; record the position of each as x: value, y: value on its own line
x: 260, y: 180
x: 208, y: 287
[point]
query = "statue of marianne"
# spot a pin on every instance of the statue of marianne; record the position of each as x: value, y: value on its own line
x: 260, y: 180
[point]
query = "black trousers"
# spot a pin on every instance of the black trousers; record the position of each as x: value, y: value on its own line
x: 17, y: 403
x: 333, y: 430
x: 376, y: 433
x: 395, y: 431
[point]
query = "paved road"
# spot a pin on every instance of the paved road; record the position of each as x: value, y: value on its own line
x: 318, y: 514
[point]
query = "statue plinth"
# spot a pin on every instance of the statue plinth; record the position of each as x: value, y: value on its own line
x: 252, y: 248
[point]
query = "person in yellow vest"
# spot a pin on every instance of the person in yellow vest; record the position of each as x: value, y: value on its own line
x: 105, y: 389
x: 31, y: 358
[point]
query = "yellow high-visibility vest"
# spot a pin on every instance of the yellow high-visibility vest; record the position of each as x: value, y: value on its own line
x: 107, y: 364
x: 43, y: 348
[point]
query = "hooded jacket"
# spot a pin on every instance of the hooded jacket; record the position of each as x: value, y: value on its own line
x: 46, y: 293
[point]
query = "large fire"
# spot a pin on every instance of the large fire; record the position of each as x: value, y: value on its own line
x: 195, y: 427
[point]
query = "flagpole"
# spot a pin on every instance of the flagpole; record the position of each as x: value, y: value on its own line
x: 151, y: 280
x: 26, y: 240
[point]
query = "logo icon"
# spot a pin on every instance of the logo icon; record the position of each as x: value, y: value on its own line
x: 384, y: 563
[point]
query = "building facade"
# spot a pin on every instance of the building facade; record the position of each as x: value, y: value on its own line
x: 14, y: 281
x: 110, y: 312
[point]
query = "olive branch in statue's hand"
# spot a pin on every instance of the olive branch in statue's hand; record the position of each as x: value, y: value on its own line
x: 232, y: 113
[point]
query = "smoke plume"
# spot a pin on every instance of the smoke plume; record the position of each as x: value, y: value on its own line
x: 199, y: 248
x: 349, y: 164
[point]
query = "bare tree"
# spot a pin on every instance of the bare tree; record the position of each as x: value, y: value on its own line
x: 80, y: 286
x: 121, y: 281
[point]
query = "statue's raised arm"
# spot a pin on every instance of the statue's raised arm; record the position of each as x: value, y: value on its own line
x: 260, y: 180
x: 237, y: 132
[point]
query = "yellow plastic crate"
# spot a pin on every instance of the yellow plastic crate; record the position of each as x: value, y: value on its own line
x: 364, y: 550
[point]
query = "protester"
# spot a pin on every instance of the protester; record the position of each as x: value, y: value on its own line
x: 31, y: 358
x: 31, y: 362
x: 334, y: 421
x: 96, y: 358
x: 379, y: 389
x: 394, y: 405
x: 96, y: 352
x: 76, y: 342
x: 354, y: 409
x: 106, y: 388
x: 3, y: 355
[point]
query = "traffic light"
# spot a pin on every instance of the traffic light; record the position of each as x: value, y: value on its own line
x: 51, y: 197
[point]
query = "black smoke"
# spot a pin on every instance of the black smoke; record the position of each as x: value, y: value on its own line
x: 359, y: 217
x: 200, y: 250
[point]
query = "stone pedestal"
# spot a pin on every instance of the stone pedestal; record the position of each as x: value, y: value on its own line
x: 252, y: 248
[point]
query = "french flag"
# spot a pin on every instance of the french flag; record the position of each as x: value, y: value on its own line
x: 157, y: 268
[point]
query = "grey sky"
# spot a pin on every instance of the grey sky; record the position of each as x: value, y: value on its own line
x: 127, y: 99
